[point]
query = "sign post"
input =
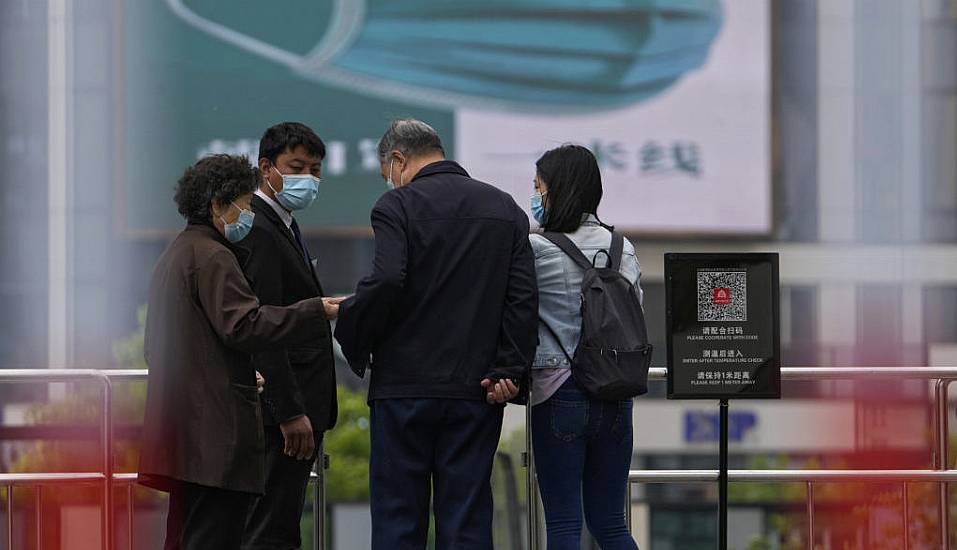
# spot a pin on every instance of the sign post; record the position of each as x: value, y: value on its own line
x: 723, y: 338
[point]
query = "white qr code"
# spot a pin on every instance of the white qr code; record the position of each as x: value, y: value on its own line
x: 722, y: 296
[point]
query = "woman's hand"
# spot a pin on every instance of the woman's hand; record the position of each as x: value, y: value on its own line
x: 260, y: 382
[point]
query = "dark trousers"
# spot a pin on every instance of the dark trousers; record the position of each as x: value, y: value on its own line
x: 582, y: 455
x: 426, y: 446
x: 204, y: 518
x: 273, y: 522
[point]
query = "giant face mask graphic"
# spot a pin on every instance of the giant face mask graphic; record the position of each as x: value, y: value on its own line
x: 511, y: 54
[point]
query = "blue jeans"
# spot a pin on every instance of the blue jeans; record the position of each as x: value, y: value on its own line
x: 582, y: 449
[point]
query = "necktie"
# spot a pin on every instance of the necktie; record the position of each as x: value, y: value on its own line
x: 298, y: 235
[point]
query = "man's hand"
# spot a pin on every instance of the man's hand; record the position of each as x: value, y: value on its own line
x: 500, y: 391
x: 331, y: 305
x: 260, y: 382
x: 299, y: 441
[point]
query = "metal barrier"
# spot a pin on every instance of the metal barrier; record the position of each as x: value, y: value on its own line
x: 106, y: 476
x: 319, y: 503
x: 942, y: 474
x: 942, y: 376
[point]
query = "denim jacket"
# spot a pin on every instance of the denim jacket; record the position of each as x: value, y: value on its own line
x: 559, y: 289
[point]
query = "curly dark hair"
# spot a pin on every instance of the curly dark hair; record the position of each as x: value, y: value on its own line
x: 221, y: 177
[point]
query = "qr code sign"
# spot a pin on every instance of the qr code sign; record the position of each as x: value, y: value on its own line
x: 722, y: 296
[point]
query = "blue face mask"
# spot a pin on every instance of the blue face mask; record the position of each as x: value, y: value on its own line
x: 298, y: 190
x: 238, y: 230
x: 538, y: 208
x: 520, y: 54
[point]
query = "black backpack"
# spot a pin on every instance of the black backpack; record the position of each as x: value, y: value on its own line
x: 613, y: 354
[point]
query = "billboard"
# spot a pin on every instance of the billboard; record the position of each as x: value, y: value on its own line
x: 673, y: 96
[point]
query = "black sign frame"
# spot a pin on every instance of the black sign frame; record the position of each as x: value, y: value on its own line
x: 770, y: 371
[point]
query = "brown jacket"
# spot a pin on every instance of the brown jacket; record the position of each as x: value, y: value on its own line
x: 203, y: 421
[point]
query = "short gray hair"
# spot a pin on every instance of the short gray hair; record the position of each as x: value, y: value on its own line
x: 411, y: 137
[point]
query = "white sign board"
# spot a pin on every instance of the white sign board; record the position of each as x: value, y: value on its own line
x: 694, y: 158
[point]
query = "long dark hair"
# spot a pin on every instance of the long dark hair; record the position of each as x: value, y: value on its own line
x: 571, y: 174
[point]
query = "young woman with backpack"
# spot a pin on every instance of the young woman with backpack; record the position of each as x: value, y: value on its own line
x: 582, y: 439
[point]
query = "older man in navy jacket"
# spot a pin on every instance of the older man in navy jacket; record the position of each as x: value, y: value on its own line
x: 448, y: 322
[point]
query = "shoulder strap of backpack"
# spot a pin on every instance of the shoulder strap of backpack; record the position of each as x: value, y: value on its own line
x: 617, y: 250
x: 568, y: 247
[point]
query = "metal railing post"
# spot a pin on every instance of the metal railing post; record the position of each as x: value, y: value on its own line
x: 316, y: 526
x: 906, y: 515
x: 320, y: 510
x: 39, y: 506
x: 9, y: 487
x: 810, y: 515
x: 129, y: 515
x: 940, y: 400
x: 107, y: 427
x: 531, y: 482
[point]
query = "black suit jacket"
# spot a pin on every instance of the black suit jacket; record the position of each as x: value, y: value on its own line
x: 300, y: 379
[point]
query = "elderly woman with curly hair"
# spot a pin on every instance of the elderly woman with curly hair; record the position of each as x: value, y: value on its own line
x: 202, y: 434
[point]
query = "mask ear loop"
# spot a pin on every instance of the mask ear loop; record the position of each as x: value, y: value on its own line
x: 391, y: 163
x: 270, y: 183
x: 231, y: 203
x: 605, y: 225
x: 222, y: 219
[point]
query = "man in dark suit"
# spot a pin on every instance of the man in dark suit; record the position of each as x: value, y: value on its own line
x: 300, y: 396
x: 449, y: 316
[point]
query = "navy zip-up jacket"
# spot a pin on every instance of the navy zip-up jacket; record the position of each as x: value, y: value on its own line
x: 452, y: 296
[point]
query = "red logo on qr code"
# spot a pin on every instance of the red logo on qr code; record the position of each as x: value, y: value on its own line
x: 722, y: 296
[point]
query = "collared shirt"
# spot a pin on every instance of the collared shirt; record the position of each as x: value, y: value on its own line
x: 284, y: 215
